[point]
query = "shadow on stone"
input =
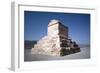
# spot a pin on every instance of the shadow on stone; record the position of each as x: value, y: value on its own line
x: 64, y: 52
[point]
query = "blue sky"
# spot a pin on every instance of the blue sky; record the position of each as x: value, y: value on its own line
x: 35, y: 25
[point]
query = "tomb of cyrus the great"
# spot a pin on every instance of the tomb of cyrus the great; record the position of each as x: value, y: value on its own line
x: 56, y: 42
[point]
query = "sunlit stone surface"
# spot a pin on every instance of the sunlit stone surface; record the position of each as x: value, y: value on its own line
x: 56, y: 42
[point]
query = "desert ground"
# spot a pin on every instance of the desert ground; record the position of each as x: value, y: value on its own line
x: 84, y: 54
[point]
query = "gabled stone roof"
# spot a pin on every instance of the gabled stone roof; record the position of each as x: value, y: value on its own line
x: 52, y: 22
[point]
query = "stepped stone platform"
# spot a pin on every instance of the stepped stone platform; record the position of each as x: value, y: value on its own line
x: 56, y: 42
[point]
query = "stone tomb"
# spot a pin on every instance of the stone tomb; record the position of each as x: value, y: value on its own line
x: 56, y: 42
